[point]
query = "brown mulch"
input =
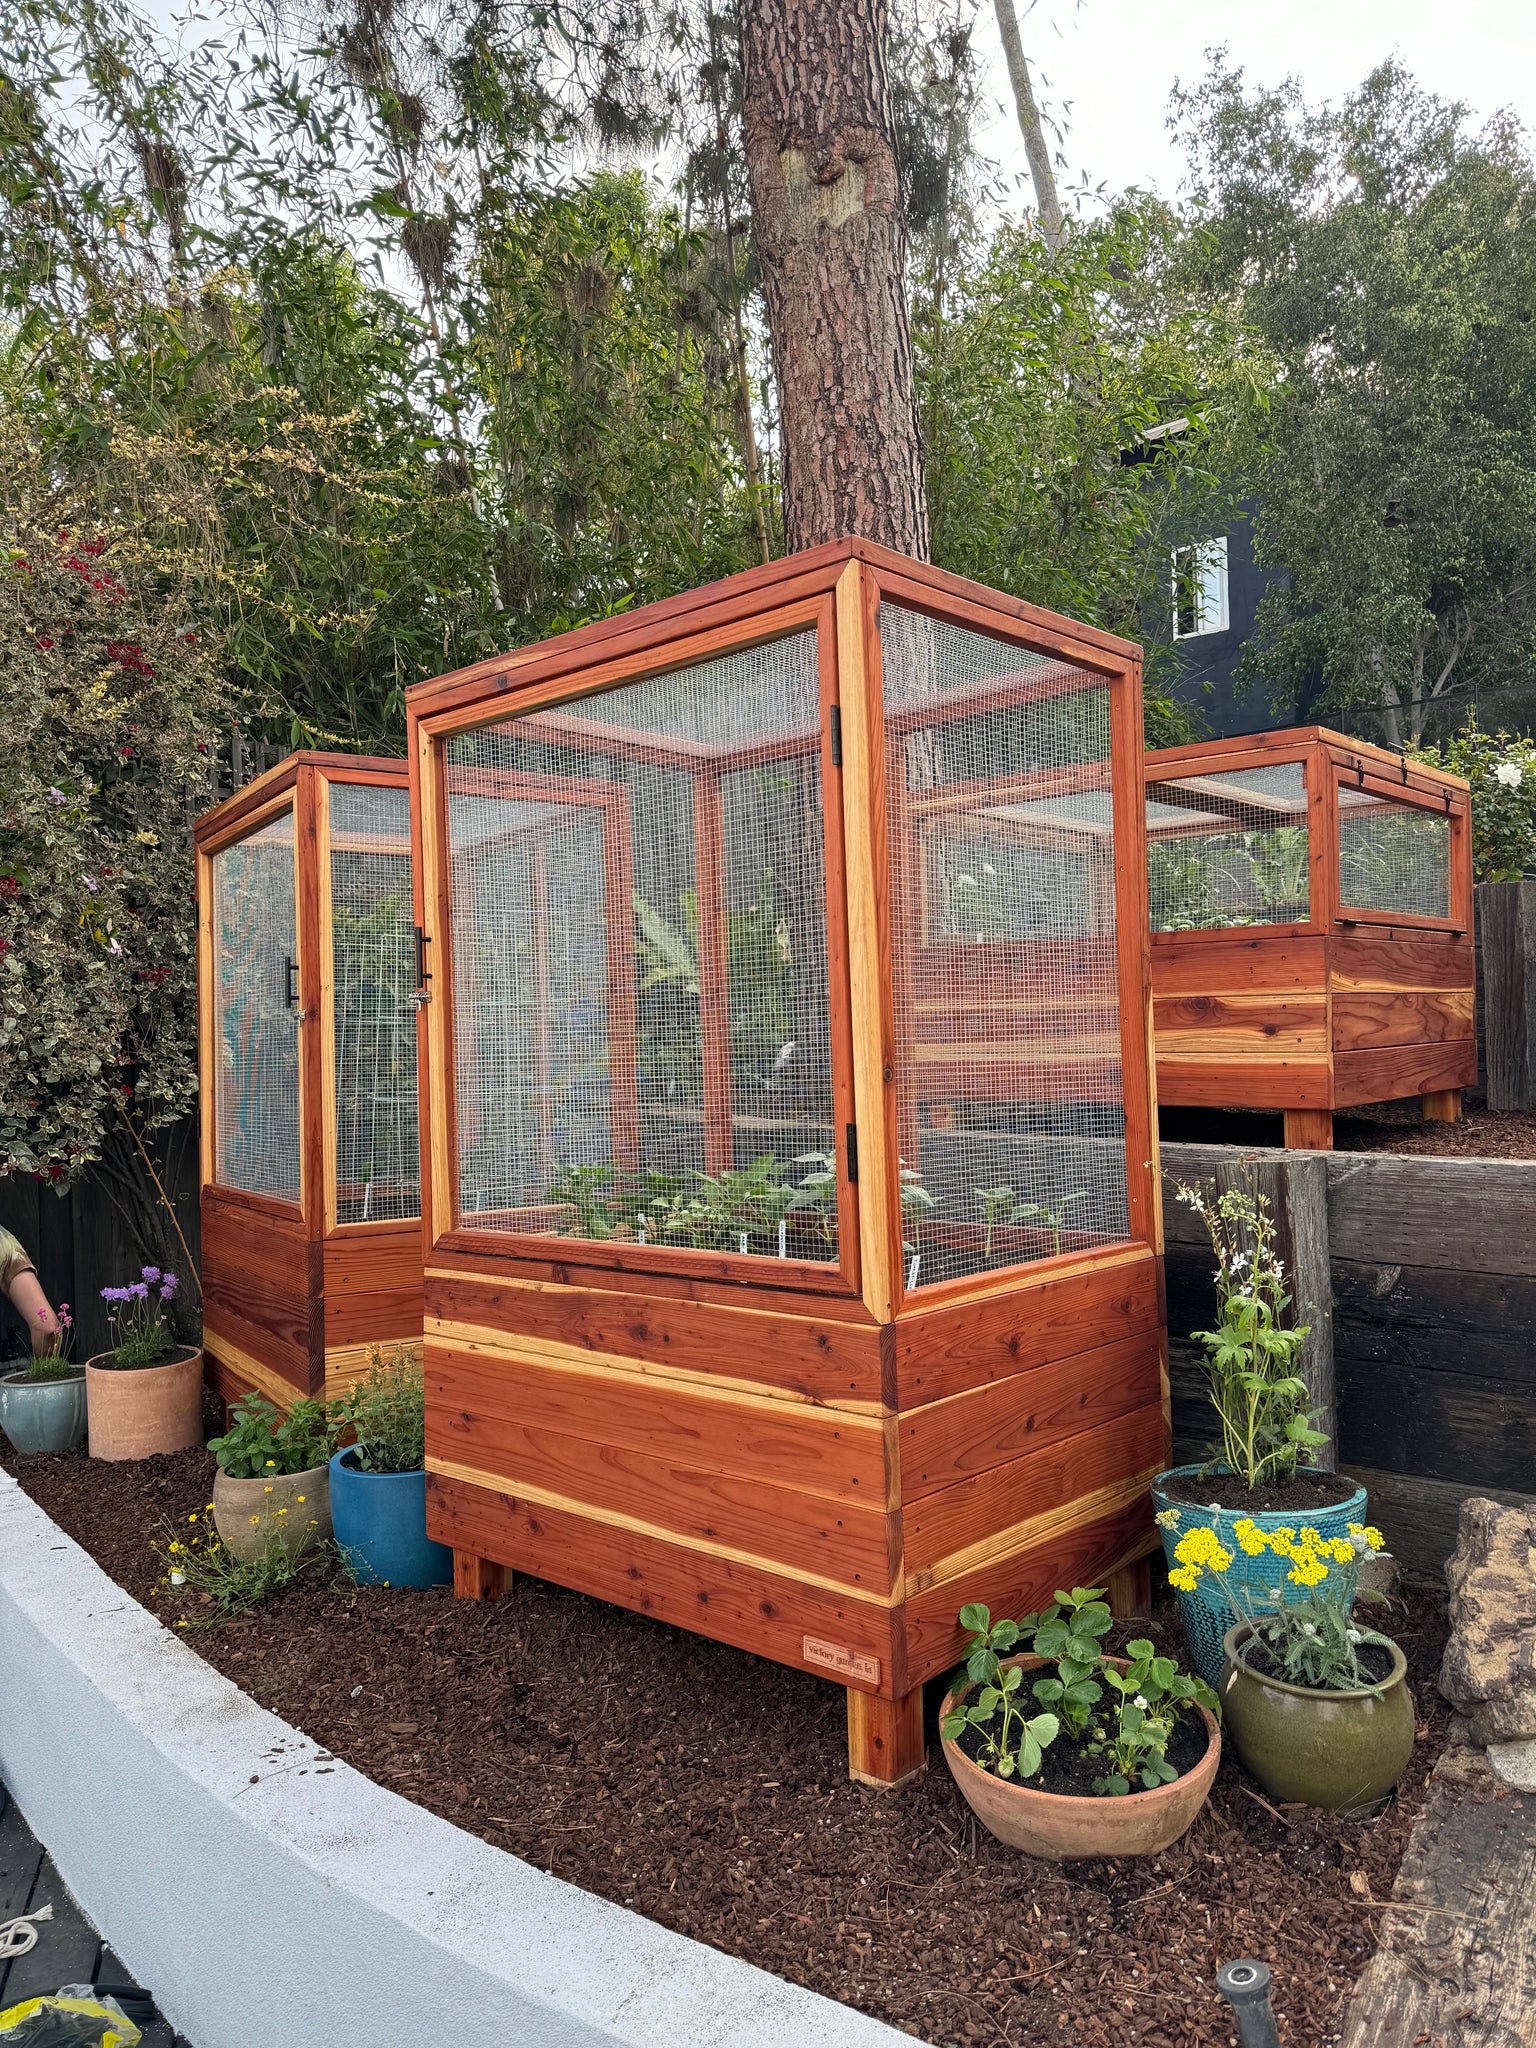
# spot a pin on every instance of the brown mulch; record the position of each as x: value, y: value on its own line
x: 706, y: 1789
x: 1478, y: 1133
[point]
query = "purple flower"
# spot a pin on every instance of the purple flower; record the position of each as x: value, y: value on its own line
x: 168, y: 1286
x: 57, y: 796
x: 151, y: 1273
x: 114, y: 1294
x: 137, y: 1292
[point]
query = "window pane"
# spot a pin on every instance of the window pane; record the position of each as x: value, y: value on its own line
x: 1003, y: 915
x: 640, y: 963
x: 1393, y: 856
x: 1229, y: 849
x: 373, y: 955
x: 256, y: 1120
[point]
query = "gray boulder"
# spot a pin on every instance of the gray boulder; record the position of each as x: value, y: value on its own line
x: 1489, y: 1672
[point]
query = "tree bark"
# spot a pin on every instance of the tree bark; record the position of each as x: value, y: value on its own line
x: 1035, y: 147
x: 832, y: 248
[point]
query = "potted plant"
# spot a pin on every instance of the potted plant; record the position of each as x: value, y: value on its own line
x: 1124, y: 1748
x: 274, y: 1474
x: 42, y: 1406
x: 145, y: 1395
x: 1259, y: 1470
x: 379, y: 1482
x: 1318, y: 1707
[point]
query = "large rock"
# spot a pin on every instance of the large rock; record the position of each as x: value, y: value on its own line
x: 1489, y: 1672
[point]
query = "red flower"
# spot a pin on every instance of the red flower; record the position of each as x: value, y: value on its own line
x: 43, y: 640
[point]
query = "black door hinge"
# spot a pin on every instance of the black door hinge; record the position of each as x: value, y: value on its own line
x: 422, y: 943
x: 290, y: 982
x: 837, y: 736
x: 853, y: 1155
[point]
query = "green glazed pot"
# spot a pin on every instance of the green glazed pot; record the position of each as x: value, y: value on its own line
x: 43, y: 1415
x: 1342, y: 1751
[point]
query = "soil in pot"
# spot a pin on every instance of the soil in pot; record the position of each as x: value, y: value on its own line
x: 145, y: 1411
x: 1303, y: 1496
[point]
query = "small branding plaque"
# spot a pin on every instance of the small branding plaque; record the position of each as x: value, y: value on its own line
x: 846, y: 1663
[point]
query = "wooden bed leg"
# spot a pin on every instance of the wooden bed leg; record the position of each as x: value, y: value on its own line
x: 1129, y: 1591
x: 1442, y: 1106
x: 1309, y: 1130
x: 476, y: 1578
x: 885, y: 1739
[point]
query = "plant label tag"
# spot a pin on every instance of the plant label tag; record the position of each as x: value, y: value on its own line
x: 846, y: 1663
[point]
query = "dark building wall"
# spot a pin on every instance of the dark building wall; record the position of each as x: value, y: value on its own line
x: 1209, y: 660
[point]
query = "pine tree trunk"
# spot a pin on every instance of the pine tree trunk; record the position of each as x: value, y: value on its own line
x: 832, y: 248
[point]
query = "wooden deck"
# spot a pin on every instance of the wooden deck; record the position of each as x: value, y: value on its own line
x: 69, y: 1950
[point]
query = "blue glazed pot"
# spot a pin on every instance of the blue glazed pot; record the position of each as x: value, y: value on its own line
x: 43, y: 1415
x: 1206, y: 1612
x: 380, y: 1524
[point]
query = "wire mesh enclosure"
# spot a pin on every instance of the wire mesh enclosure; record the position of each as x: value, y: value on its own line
x: 1310, y: 903
x: 309, y: 970
x: 792, y: 1232
x: 640, y: 1010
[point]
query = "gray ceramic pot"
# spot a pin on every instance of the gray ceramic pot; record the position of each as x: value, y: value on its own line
x: 43, y: 1415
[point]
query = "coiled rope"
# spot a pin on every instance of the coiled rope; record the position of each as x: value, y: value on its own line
x: 19, y: 1935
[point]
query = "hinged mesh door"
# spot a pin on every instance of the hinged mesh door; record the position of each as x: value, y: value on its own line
x: 256, y: 1022
x: 1007, y: 1009
x: 1393, y: 857
x: 1228, y: 849
x: 373, y: 968
x: 640, y: 964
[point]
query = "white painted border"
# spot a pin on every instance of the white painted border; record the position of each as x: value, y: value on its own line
x: 309, y: 1910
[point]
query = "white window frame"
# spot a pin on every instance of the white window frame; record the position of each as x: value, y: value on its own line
x: 1212, y: 611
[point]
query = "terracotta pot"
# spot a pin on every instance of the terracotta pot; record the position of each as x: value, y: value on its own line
x: 1342, y: 1751
x: 145, y: 1411
x: 296, y: 1504
x: 43, y: 1415
x: 1061, y: 1826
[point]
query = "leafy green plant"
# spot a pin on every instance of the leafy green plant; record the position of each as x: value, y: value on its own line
x: 1129, y: 1739
x: 996, y: 1205
x: 916, y: 1203
x: 1260, y: 1400
x: 1053, y: 1219
x: 1012, y: 1740
x: 54, y: 1363
x: 262, y: 1440
x: 817, y: 1192
x: 1312, y: 1634
x: 586, y: 1190
x: 197, y: 1570
x: 387, y: 1410
x: 1501, y: 768
x: 1133, y: 1739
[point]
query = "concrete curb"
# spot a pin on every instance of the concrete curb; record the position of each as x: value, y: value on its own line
x: 311, y: 1907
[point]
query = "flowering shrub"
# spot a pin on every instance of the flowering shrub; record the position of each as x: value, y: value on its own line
x: 1501, y: 769
x: 1312, y: 1636
x: 107, y: 703
x: 141, y: 1334
x: 1260, y: 1400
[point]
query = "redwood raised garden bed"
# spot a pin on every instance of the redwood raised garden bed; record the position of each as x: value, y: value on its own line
x: 703, y: 1787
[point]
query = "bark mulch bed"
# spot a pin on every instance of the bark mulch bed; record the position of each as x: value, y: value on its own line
x: 706, y: 1789
x: 1378, y: 1127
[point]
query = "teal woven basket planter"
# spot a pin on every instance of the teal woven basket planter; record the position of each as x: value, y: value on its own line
x: 1206, y: 1613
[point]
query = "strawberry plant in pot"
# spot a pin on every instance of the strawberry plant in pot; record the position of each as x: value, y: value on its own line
x: 1260, y: 1468
x: 1122, y: 1750
x: 145, y: 1395
x: 274, y: 1475
x: 1317, y: 1705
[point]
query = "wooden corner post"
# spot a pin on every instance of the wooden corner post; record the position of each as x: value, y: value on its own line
x: 885, y: 1739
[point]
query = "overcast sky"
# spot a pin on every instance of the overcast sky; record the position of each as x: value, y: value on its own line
x: 1111, y: 64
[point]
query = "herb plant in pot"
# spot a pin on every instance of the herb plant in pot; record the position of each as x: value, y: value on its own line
x: 1259, y: 1470
x: 42, y: 1404
x: 274, y: 1475
x: 379, y: 1482
x: 1317, y: 1706
x: 145, y: 1395
x: 1122, y: 1750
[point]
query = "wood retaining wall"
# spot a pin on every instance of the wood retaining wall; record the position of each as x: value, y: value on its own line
x: 1433, y: 1264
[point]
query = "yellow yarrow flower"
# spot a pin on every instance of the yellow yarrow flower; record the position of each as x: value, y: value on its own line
x: 1250, y: 1536
x: 1185, y: 1576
